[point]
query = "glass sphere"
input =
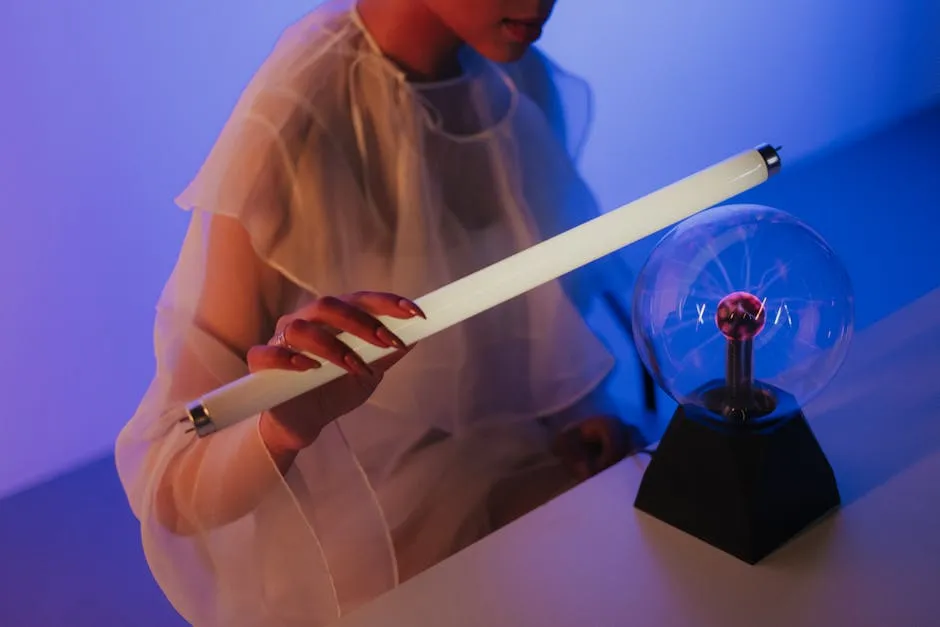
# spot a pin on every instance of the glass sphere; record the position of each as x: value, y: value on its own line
x: 743, y: 310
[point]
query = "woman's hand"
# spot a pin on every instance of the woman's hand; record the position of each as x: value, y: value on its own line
x: 294, y: 425
x: 594, y: 444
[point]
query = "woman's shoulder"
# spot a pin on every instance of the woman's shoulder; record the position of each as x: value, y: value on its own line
x: 306, y: 71
x: 291, y: 101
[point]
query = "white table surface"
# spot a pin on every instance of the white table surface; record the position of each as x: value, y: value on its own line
x: 590, y: 559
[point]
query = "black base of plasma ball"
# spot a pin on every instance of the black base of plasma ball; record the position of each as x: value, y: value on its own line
x: 746, y: 489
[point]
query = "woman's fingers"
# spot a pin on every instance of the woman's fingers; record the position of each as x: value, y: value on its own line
x: 570, y: 448
x: 600, y: 441
x: 385, y: 304
x: 310, y: 337
x: 592, y: 445
x: 354, y: 314
x: 278, y: 358
x: 313, y: 333
x: 349, y: 317
x: 611, y: 437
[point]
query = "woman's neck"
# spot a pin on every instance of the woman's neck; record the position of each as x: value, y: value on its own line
x: 412, y: 37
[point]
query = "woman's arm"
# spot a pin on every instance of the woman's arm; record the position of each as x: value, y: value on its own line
x: 218, y: 479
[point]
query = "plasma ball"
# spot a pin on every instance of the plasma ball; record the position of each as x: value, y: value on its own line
x: 740, y: 316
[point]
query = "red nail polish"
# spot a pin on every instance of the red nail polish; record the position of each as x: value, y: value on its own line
x: 411, y: 309
x: 358, y: 365
x: 389, y: 338
x: 300, y: 361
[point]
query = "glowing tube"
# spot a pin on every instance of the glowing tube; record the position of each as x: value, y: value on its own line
x: 500, y: 282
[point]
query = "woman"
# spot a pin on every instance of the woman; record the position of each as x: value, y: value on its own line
x: 391, y: 146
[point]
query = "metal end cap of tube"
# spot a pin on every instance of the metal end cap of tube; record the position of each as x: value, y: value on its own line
x: 771, y: 158
x: 198, y: 415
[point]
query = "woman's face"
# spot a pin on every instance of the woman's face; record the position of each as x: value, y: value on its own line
x: 501, y: 30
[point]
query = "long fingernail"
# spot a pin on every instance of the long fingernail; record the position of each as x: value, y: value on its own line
x: 359, y: 366
x: 303, y: 362
x: 410, y: 308
x: 390, y: 339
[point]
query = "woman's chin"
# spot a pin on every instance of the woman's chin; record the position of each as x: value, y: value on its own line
x: 508, y: 52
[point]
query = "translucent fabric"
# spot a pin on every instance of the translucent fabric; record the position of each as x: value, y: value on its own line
x: 335, y: 174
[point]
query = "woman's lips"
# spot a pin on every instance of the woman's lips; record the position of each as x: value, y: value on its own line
x: 523, y: 31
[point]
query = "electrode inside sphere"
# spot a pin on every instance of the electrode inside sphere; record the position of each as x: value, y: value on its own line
x: 740, y: 316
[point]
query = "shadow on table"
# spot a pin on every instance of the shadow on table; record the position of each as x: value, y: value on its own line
x: 881, y: 414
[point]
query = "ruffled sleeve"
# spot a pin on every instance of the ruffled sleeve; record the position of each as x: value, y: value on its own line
x: 208, y: 507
